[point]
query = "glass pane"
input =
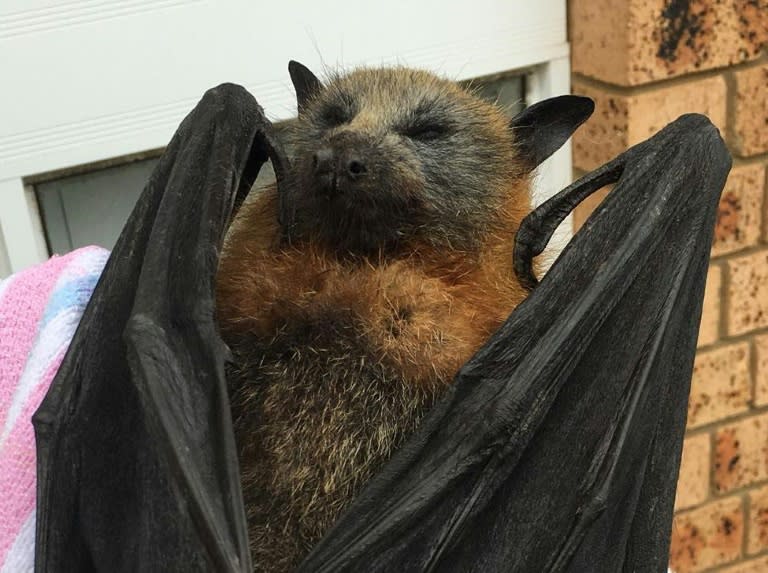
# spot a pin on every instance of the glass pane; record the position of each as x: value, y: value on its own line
x: 508, y: 91
x: 91, y: 209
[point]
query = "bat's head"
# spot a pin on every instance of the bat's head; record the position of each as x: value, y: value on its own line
x: 388, y: 156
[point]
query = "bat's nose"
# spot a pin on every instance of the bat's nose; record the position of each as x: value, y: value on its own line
x: 338, y: 168
x: 347, y: 163
x: 354, y: 166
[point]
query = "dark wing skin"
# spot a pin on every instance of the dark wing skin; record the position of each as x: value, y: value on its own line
x: 557, y: 449
x: 137, y: 466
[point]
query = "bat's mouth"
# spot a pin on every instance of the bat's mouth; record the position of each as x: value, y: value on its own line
x: 356, y: 224
x: 358, y: 221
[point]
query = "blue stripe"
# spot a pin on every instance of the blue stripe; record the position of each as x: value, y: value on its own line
x: 76, y: 292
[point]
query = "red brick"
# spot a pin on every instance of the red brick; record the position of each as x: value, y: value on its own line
x: 741, y: 453
x: 757, y: 539
x: 751, y: 117
x: 630, y: 42
x: 740, y: 212
x: 748, y: 293
x: 693, y: 482
x: 761, y: 371
x: 720, y: 387
x: 708, y: 536
x: 605, y: 134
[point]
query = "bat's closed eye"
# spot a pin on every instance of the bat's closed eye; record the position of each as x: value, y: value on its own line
x: 335, y: 115
x: 425, y: 131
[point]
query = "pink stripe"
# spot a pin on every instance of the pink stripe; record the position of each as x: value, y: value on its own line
x: 22, y: 306
x: 17, y: 482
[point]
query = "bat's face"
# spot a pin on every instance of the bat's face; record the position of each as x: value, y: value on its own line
x: 384, y: 156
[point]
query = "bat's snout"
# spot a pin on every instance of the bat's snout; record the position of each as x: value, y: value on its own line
x: 342, y: 166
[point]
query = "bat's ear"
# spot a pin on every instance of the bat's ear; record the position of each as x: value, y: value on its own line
x: 540, y: 130
x: 305, y: 83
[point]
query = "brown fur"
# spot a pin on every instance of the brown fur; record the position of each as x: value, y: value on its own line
x: 337, y: 358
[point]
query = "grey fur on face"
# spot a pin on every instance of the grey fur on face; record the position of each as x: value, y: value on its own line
x: 438, y: 161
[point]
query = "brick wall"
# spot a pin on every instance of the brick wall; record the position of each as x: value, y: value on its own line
x: 645, y: 62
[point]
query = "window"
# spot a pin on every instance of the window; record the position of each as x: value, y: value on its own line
x: 83, y: 90
x: 90, y: 209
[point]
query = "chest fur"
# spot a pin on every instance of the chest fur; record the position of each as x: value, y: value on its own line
x: 300, y: 308
x: 335, y: 364
x: 334, y: 367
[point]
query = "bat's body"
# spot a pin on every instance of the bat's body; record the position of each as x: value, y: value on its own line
x: 348, y: 322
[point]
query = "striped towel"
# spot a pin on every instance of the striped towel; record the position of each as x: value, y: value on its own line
x: 40, y: 309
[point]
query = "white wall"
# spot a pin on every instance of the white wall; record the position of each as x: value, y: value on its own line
x: 90, y: 80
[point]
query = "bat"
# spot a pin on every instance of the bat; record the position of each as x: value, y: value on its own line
x: 347, y: 324
x: 555, y: 449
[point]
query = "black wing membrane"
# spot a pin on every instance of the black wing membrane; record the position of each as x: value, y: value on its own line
x: 557, y: 448
x: 137, y: 466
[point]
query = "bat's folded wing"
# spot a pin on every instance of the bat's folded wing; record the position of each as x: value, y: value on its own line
x: 558, y: 446
x: 137, y: 467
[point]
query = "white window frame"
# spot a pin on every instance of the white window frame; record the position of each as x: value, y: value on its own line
x: 86, y: 81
